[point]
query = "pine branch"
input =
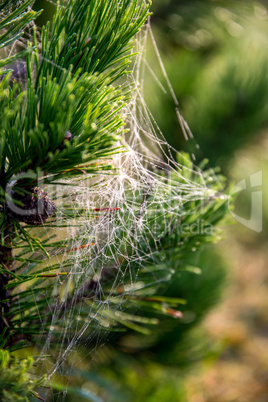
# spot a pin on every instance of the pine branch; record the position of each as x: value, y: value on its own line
x: 13, y: 21
x: 63, y: 127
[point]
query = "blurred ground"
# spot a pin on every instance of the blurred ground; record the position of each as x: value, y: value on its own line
x: 240, y: 322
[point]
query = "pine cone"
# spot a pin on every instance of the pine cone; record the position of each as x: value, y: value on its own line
x: 38, y: 207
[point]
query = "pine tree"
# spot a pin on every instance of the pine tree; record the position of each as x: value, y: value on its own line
x: 74, y: 257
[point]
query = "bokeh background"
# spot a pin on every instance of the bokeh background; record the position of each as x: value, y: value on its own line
x: 215, y: 54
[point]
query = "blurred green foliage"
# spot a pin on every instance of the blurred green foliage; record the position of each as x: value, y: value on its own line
x: 215, y: 56
x: 16, y: 383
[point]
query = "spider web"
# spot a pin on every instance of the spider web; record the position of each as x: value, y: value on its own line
x: 114, y: 228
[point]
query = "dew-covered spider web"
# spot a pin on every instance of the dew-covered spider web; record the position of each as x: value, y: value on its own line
x: 117, y: 237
